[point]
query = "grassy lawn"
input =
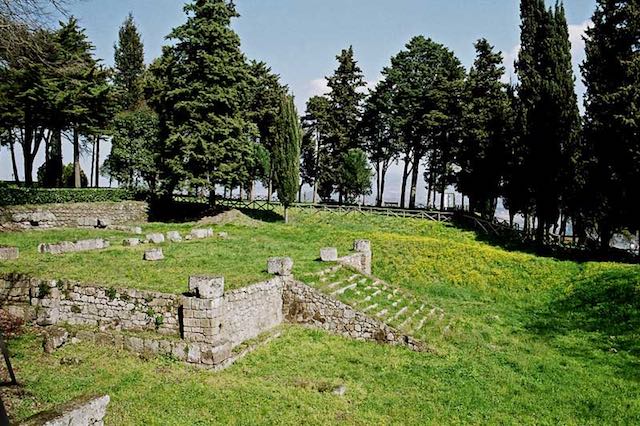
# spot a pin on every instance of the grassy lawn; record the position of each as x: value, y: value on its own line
x: 516, y: 339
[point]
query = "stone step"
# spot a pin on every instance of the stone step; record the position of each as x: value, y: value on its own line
x: 421, y: 323
x: 382, y: 313
x: 334, y: 285
x: 399, y: 313
x: 344, y: 289
x: 370, y: 307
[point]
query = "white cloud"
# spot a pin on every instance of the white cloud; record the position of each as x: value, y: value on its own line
x: 509, y: 59
x: 576, y: 34
x: 318, y: 87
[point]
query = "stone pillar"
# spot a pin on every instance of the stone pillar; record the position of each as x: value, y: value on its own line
x: 202, y: 310
x: 280, y: 266
x: 364, y: 247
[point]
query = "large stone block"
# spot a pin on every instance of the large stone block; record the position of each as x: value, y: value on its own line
x: 9, y: 253
x: 362, y: 246
x: 199, y: 234
x: 88, y: 222
x: 83, y: 411
x: 206, y: 287
x: 131, y: 242
x: 282, y: 266
x: 156, y: 238
x: 104, y: 222
x: 174, y: 236
x: 67, y: 246
x: 329, y: 254
x: 54, y: 338
x: 153, y: 255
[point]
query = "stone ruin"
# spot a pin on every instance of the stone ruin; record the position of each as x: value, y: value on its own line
x: 9, y: 253
x: 360, y: 260
x: 153, y: 255
x: 70, y: 247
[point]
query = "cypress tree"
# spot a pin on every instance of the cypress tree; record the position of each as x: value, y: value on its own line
x: 129, y: 66
x: 611, y: 74
x: 482, y: 152
x: 204, y: 87
x: 286, y: 154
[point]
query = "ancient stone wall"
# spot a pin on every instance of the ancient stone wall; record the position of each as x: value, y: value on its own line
x: 304, y: 305
x: 88, y: 411
x: 57, y: 302
x: 73, y: 215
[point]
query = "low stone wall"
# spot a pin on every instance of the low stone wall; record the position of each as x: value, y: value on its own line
x: 89, y: 411
x: 57, y: 302
x: 305, y: 305
x: 73, y: 215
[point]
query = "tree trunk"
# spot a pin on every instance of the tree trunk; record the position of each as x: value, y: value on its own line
x: 27, y: 156
x: 540, y: 232
x: 383, y: 184
x: 444, y: 185
x: 462, y: 202
x: 414, y: 181
x: 511, y: 219
x: 77, y: 181
x: 315, y: 190
x: 97, y: 168
x: 286, y: 215
x: 605, y: 237
x: 252, y: 189
x: 300, y: 193
x: 93, y: 163
x: 270, y: 189
x: 16, y: 177
x: 56, y: 158
x: 405, y: 175
x: 378, y: 184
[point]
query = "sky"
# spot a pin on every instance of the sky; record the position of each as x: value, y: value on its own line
x: 299, y: 39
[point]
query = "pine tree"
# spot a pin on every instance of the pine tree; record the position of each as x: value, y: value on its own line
x: 611, y: 74
x: 204, y: 84
x: 356, y: 174
x: 482, y: 153
x: 286, y: 154
x: 345, y: 99
x: 129, y: 66
x: 317, y: 128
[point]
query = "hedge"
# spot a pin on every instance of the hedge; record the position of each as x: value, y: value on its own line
x: 10, y: 196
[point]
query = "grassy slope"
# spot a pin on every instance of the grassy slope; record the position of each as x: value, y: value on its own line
x: 523, y: 340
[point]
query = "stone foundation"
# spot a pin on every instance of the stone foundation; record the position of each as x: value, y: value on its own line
x: 71, y: 215
x: 89, y: 411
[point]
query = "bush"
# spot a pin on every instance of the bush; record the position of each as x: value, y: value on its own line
x: 12, y: 195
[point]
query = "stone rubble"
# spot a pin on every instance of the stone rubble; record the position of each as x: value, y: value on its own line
x: 9, y: 253
x: 156, y: 238
x: 282, y: 266
x: 153, y: 255
x: 174, y: 236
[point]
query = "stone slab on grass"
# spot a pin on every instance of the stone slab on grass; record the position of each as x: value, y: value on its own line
x: 153, y: 255
x: 174, y: 236
x: 156, y: 238
x: 282, y: 266
x: 9, y: 253
x: 70, y: 247
x: 131, y: 242
x: 199, y: 234
x: 329, y: 254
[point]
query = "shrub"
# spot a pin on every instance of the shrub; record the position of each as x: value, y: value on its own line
x: 12, y: 195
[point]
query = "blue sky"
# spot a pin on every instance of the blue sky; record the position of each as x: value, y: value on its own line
x: 299, y: 39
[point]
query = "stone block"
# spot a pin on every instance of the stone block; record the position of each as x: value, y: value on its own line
x: 55, y: 338
x: 194, y: 355
x: 82, y: 411
x: 362, y: 246
x: 223, y: 235
x: 174, y: 236
x: 36, y: 217
x: 199, y: 234
x: 136, y: 230
x: 88, y: 222
x: 9, y: 253
x: 104, y: 222
x: 329, y: 254
x: 131, y: 242
x: 156, y: 238
x: 206, y: 287
x: 153, y: 255
x: 281, y: 266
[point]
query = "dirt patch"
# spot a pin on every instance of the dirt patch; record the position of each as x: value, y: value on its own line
x: 235, y: 217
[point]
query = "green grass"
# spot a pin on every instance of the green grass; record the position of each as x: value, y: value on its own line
x: 522, y: 339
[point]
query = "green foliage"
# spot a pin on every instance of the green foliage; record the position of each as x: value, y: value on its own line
x: 129, y: 66
x: 482, y: 153
x: 134, y: 157
x: 111, y: 293
x: 286, y: 152
x: 14, y: 196
x: 317, y: 133
x: 611, y: 73
x: 68, y: 179
x: 355, y: 175
x: 201, y: 91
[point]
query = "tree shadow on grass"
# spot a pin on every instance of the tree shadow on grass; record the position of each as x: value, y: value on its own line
x: 603, y: 306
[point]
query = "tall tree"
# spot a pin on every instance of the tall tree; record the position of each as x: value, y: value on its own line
x: 129, y: 66
x: 428, y: 80
x: 549, y: 103
x: 482, y: 152
x: 345, y: 99
x: 286, y: 154
x: 204, y: 89
x: 356, y: 174
x: 611, y: 74
x: 317, y: 128
x: 378, y: 131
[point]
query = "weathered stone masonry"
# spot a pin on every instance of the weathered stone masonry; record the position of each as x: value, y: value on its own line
x: 73, y: 215
x: 206, y: 323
